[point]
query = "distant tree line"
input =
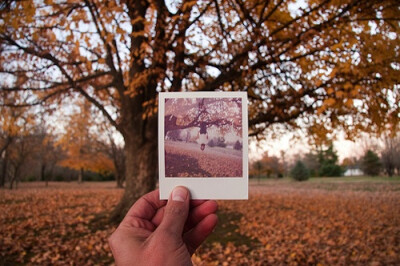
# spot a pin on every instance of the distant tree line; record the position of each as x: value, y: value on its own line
x: 323, y: 162
x: 31, y: 151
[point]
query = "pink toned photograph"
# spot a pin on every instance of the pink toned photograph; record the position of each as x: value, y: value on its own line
x: 203, y: 137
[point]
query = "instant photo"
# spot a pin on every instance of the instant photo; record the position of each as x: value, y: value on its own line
x: 203, y: 144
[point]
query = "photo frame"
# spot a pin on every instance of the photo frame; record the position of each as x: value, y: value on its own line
x: 203, y: 144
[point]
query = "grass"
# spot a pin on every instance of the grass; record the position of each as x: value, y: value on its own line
x: 359, y: 183
x: 342, y: 179
x: 352, y: 179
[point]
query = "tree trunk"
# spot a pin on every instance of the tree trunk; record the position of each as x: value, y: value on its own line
x: 120, y: 179
x: 43, y: 172
x: 4, y: 170
x: 141, y: 175
x: 119, y: 164
x: 80, y: 175
x: 141, y: 158
x: 13, y: 178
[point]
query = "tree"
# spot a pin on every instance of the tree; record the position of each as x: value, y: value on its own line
x: 371, y: 164
x: 328, y: 163
x: 222, y: 113
x: 312, y: 162
x: 267, y: 166
x: 112, y: 149
x: 16, y: 126
x: 390, y: 155
x: 238, y: 145
x: 300, y: 172
x: 320, y: 66
x: 79, y: 143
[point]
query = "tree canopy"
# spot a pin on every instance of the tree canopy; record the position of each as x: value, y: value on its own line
x: 319, y: 65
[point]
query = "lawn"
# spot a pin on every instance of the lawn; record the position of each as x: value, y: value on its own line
x: 321, y: 221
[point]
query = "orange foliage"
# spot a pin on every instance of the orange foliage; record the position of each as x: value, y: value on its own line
x: 79, y: 142
x: 49, y: 226
x: 307, y: 226
x: 281, y: 224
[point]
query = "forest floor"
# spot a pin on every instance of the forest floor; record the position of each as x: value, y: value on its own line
x: 188, y: 160
x: 320, y: 221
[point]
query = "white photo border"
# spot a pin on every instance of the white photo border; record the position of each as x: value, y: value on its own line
x: 208, y: 187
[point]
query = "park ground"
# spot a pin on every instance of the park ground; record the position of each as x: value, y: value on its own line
x: 323, y: 221
x: 186, y: 159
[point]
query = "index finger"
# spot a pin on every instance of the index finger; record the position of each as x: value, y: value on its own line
x: 146, y: 206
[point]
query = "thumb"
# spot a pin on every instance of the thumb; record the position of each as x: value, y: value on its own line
x: 176, y: 211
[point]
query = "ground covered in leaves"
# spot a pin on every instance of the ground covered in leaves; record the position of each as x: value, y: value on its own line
x: 283, y: 222
x: 187, y: 159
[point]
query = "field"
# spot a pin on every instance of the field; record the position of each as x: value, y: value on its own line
x: 321, y: 221
x: 186, y: 159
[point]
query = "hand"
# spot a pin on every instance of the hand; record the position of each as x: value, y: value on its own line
x: 157, y: 232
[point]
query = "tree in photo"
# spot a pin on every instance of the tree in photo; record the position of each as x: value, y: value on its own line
x: 221, y: 114
x: 320, y: 65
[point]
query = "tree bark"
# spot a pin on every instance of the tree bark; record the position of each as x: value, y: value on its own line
x: 141, y: 175
x: 4, y: 170
x: 43, y: 172
x: 141, y: 159
x: 80, y: 175
x: 14, y: 177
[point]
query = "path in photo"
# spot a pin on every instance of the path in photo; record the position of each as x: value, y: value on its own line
x: 187, y: 160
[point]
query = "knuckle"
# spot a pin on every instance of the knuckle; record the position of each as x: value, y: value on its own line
x: 176, y: 210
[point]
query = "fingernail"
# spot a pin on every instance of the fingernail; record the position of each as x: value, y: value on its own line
x: 179, y: 194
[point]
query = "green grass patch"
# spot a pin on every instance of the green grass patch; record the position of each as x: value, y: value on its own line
x: 356, y: 179
x: 354, y: 183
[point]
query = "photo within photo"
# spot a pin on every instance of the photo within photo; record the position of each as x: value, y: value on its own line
x: 203, y: 137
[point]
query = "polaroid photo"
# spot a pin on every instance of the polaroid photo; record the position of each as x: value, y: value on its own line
x: 203, y: 144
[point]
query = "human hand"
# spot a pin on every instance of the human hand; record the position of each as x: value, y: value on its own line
x: 157, y: 232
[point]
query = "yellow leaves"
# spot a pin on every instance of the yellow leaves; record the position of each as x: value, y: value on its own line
x: 330, y: 91
x: 355, y: 90
x: 120, y: 30
x: 329, y: 102
x: 282, y: 223
x: 57, y: 225
x: 349, y: 103
x: 101, y: 60
x: 187, y: 5
x: 69, y: 38
x: 136, y: 34
x: 337, y: 46
x: 339, y: 94
x: 348, y: 85
x: 189, y: 160
x: 89, y: 65
x: 307, y: 224
x: 51, y: 36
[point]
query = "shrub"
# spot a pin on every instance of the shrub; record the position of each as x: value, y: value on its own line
x: 330, y: 170
x: 221, y: 142
x: 300, y: 172
x: 238, y: 146
x: 211, y: 143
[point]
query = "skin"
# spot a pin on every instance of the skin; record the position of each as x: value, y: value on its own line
x: 159, y: 232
